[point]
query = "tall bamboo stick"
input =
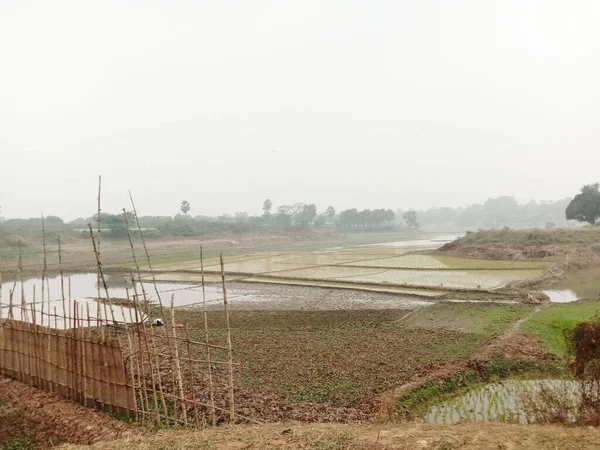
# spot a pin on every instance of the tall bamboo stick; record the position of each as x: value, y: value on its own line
x: 229, y: 347
x: 131, y: 352
x: 45, y: 268
x: 192, y: 378
x: 154, y: 349
x: 62, y: 282
x: 147, y: 310
x: 137, y: 354
x: 160, y: 303
x: 98, y: 280
x: 102, y: 275
x: 213, y: 414
x: 83, y: 357
x: 177, y: 365
x: 56, y: 380
x: 144, y: 387
x: 33, y: 333
x: 11, y: 314
x: 24, y: 315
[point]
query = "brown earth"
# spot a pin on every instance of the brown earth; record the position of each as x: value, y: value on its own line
x: 479, y: 436
x: 57, y: 419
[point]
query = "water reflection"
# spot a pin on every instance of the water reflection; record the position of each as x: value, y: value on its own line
x: 562, y: 296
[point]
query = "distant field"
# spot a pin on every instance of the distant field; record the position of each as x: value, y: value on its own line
x: 380, y: 266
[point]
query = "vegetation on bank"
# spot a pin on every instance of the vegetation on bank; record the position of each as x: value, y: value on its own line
x: 561, y: 236
x: 551, y: 324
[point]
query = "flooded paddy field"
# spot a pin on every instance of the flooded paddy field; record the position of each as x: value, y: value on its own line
x: 519, y: 401
x: 402, y: 267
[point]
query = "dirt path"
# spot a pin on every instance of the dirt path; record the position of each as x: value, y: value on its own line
x: 284, y: 436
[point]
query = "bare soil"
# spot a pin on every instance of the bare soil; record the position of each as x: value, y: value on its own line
x: 55, y: 419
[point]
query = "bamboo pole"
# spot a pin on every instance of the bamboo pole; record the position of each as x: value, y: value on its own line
x: 74, y: 360
x: 102, y: 276
x: 130, y: 344
x: 152, y: 368
x: 177, y: 365
x: 68, y: 322
x: 11, y: 318
x: 56, y: 340
x: 47, y: 366
x: 83, y: 359
x: 160, y: 303
x: 45, y: 268
x: 32, y: 333
x: 141, y: 371
x: 229, y: 347
x: 142, y: 387
x: 154, y: 349
x: 192, y: 378
x: 213, y: 415
x: 20, y: 274
x: 99, y: 311
x: 62, y: 282
x: 11, y: 314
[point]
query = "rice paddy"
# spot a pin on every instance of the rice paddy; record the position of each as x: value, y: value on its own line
x: 515, y: 401
x: 408, y: 265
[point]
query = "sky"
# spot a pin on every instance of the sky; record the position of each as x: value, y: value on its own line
x: 365, y: 104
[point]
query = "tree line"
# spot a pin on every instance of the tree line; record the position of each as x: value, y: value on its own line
x: 495, y: 212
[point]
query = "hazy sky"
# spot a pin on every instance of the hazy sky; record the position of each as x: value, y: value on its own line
x: 361, y: 104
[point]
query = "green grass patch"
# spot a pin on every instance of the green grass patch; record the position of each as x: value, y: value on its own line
x: 469, y: 317
x: 549, y: 324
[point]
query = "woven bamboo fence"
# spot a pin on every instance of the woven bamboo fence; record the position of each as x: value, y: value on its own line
x: 68, y: 362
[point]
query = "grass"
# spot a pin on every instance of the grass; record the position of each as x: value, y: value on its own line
x: 550, y: 323
x: 469, y: 317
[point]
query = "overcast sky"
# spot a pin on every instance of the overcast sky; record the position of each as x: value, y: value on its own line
x: 362, y: 104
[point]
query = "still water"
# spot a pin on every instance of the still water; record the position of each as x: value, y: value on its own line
x: 84, y: 289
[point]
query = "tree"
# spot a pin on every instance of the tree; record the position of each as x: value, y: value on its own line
x: 320, y: 220
x: 267, y: 205
x: 411, y: 219
x: 185, y: 207
x: 241, y: 217
x: 585, y: 207
x: 500, y: 211
x: 330, y: 213
x: 306, y: 215
x: 389, y: 216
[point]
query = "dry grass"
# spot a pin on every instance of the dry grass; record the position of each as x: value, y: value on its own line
x: 367, y: 437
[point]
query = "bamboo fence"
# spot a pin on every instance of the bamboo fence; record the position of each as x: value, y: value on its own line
x: 153, y: 372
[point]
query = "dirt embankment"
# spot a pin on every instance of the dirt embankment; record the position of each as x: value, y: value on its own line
x: 55, y: 419
x: 574, y: 247
x: 286, y: 436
